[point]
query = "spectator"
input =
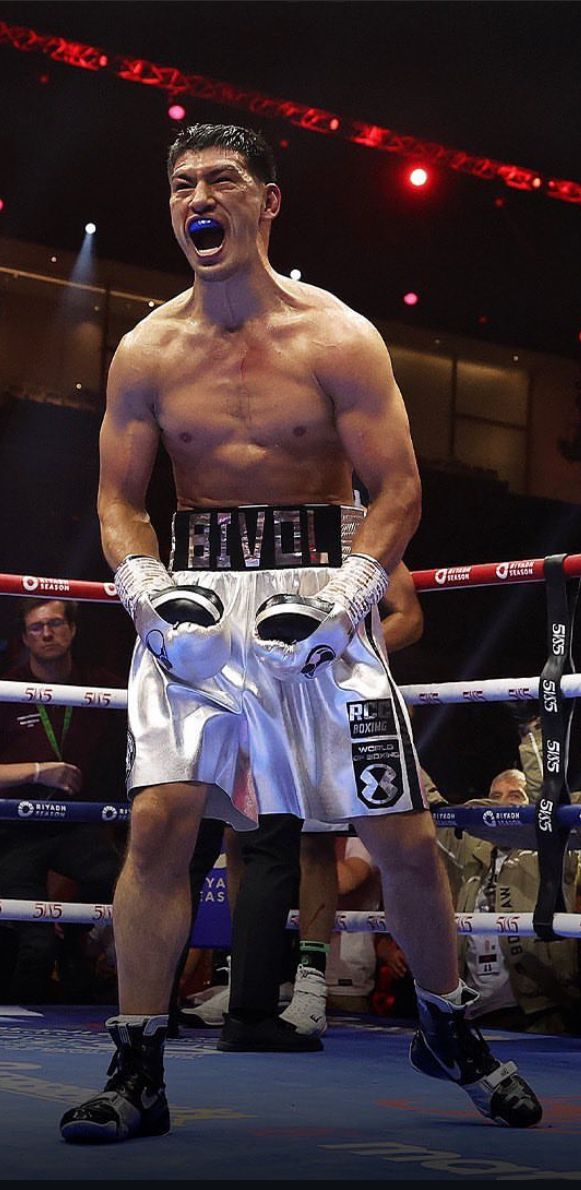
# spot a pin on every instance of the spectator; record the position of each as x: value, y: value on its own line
x: 53, y: 752
x: 531, y: 754
x: 523, y: 983
x: 352, y: 961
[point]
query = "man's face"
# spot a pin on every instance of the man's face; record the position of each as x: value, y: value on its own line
x: 48, y: 636
x: 508, y: 792
x: 219, y: 211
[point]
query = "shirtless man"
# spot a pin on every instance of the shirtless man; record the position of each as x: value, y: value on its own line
x: 273, y: 694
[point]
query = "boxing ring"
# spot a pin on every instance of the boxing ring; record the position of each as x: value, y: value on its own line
x: 357, y: 1111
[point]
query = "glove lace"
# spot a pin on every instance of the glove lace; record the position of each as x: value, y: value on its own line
x: 140, y: 575
x: 357, y: 586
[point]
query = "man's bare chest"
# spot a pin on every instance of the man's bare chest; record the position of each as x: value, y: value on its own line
x: 242, y: 386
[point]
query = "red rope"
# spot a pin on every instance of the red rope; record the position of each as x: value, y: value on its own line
x: 477, y: 574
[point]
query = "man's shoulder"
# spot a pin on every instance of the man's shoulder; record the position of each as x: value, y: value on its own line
x: 328, y: 305
x: 156, y: 327
x: 332, y: 323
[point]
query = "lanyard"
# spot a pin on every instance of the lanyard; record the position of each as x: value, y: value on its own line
x: 49, y: 729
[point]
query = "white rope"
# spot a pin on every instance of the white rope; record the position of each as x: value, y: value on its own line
x: 66, y: 912
x: 507, y: 925
x: 64, y: 696
x: 489, y: 690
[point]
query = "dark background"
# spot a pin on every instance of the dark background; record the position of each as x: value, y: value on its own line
x: 493, y: 79
x: 497, y: 79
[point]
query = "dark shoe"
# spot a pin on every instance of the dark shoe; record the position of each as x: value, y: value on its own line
x: 133, y: 1101
x: 446, y: 1046
x: 271, y: 1035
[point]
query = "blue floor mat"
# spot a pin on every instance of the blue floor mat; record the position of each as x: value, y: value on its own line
x: 356, y: 1111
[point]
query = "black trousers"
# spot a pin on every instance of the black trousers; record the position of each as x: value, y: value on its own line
x: 85, y: 854
x: 268, y: 891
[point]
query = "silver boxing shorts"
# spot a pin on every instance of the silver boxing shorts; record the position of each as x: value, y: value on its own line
x: 333, y: 748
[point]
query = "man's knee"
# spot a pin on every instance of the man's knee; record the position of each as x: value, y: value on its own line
x: 406, y: 842
x: 163, y: 829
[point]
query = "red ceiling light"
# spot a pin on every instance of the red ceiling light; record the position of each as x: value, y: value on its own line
x: 418, y: 177
x: 410, y: 299
x: 176, y: 111
x: 387, y: 140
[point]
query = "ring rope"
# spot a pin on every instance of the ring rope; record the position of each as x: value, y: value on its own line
x: 489, y: 690
x: 508, y: 925
x: 57, y: 588
x: 63, y: 696
x: 37, y: 810
x: 477, y: 574
x: 485, y: 690
x: 457, y: 817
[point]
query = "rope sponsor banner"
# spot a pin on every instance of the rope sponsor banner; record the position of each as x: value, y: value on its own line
x: 57, y: 588
x: 96, y: 697
x: 55, y: 810
x: 485, y: 690
x: 65, y: 912
x: 490, y: 574
x: 457, y: 817
x: 506, y: 925
x: 440, y: 578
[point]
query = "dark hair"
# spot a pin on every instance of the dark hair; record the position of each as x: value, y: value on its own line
x: 26, y: 606
x: 251, y: 145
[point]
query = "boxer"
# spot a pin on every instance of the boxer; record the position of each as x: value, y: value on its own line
x: 267, y: 394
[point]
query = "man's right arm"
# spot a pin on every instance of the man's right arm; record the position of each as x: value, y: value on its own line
x: 128, y: 447
x: 182, y: 626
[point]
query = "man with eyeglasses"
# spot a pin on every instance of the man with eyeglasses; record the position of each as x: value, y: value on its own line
x: 51, y: 753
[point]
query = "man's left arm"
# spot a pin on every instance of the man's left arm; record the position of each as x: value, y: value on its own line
x: 374, y: 429
x: 402, y: 618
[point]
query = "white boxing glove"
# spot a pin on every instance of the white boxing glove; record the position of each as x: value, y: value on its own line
x: 298, y: 637
x: 182, y: 625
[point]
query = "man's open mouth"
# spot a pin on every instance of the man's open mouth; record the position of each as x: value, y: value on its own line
x: 207, y: 236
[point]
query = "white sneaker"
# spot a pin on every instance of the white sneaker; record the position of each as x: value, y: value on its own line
x: 209, y: 1012
x: 307, y: 1009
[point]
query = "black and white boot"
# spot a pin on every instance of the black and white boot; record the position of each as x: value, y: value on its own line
x: 133, y: 1101
x: 447, y: 1046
